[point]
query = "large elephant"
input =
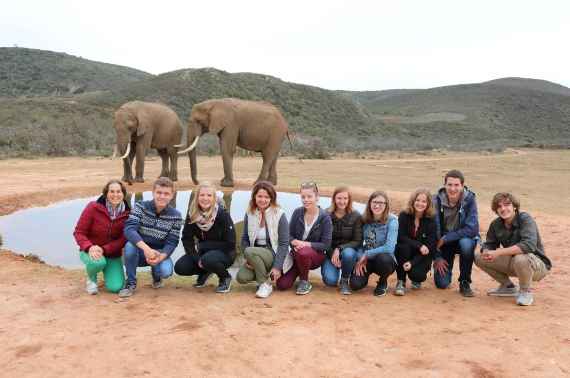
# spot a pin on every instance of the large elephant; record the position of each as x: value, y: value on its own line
x: 252, y: 125
x: 143, y: 125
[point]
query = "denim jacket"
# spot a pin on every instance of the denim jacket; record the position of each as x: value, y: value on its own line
x: 380, y: 238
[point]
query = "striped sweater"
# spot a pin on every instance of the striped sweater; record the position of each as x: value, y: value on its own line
x: 159, y: 231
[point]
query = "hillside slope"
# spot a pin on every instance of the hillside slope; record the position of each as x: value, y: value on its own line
x: 30, y: 72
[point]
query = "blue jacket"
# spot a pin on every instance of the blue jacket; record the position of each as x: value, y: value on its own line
x: 468, y: 218
x: 320, y: 235
x: 380, y: 238
x: 159, y: 231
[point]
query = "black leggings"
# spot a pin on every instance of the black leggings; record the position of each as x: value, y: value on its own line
x: 213, y: 262
x: 421, y: 264
x: 382, y: 264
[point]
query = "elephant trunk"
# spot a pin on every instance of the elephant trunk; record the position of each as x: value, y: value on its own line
x: 193, y: 166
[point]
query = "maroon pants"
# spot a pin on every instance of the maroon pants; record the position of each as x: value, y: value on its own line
x: 305, y: 259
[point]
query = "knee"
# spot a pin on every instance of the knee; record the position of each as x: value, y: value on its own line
x: 131, y: 251
x: 98, y: 264
x: 248, y: 253
x: 166, y: 268
x: 114, y: 287
x: 243, y: 275
x: 348, y: 254
x: 283, y: 284
x: 417, y: 276
x: 478, y: 259
x: 467, y: 247
x: 329, y: 278
x: 358, y: 282
x: 441, y: 282
x: 521, y: 262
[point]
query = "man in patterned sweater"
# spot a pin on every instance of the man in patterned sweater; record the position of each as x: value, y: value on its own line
x: 152, y: 232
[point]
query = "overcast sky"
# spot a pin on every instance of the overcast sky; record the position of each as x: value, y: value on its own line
x: 356, y: 45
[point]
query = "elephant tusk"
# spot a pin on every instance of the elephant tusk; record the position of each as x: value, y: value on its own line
x: 190, y: 147
x: 178, y: 145
x: 115, y: 148
x: 128, y: 151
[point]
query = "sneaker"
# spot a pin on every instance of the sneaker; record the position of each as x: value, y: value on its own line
x: 157, y: 284
x: 345, y: 287
x: 128, y: 291
x: 91, y: 287
x: 400, y: 289
x: 201, y: 281
x: 416, y: 285
x: 304, y: 287
x: 508, y: 290
x: 225, y: 285
x: 465, y: 289
x: 525, y: 298
x: 264, y: 290
x: 381, y: 287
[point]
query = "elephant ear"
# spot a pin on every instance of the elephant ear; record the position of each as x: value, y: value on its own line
x: 144, y: 128
x: 220, y: 117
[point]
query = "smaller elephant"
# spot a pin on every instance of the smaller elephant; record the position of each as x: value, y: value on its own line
x: 252, y: 125
x: 142, y: 125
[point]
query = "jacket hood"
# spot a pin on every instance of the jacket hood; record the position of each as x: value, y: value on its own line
x: 467, y: 195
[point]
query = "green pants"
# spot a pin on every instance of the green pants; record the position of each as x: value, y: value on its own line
x: 112, y: 268
x: 261, y: 259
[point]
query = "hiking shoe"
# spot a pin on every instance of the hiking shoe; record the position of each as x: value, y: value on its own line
x: 225, y: 285
x: 264, y: 290
x: 400, y: 289
x: 381, y: 287
x: 345, y: 287
x: 128, y: 291
x: 465, y: 289
x: 157, y: 284
x: 525, y: 298
x: 416, y: 285
x: 508, y: 290
x: 202, y: 278
x: 91, y: 287
x: 304, y: 287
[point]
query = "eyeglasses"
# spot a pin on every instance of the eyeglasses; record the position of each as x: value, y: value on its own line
x: 377, y: 203
x: 310, y: 185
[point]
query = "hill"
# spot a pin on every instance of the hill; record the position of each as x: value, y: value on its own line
x: 30, y: 72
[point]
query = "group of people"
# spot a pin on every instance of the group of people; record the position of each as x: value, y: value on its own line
x: 347, y: 246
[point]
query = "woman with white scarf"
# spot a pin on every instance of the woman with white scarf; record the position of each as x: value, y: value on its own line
x: 209, y: 240
x: 265, y: 239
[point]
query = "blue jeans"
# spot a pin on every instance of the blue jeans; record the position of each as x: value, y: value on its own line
x: 465, y: 247
x: 134, y: 257
x: 330, y: 273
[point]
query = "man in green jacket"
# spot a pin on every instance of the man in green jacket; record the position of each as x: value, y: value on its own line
x: 513, y: 248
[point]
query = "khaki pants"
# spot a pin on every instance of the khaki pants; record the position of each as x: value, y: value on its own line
x: 261, y: 259
x: 526, y: 267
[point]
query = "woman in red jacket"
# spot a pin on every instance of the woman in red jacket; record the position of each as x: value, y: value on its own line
x: 99, y: 234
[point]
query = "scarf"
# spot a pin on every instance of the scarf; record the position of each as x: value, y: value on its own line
x: 114, y: 212
x: 204, y: 223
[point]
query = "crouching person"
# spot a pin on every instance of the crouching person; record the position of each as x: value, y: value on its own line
x: 265, y: 239
x: 513, y: 248
x: 152, y: 233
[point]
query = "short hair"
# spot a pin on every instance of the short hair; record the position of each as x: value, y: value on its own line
x: 455, y: 173
x: 429, y: 211
x: 105, y: 190
x: 337, y: 190
x: 502, y: 197
x: 164, y: 182
x: 268, y: 187
x: 194, y: 209
x: 368, y: 217
x: 310, y: 185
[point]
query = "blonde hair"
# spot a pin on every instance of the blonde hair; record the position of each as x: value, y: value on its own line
x: 337, y: 190
x: 368, y: 217
x: 194, y: 211
x: 429, y: 211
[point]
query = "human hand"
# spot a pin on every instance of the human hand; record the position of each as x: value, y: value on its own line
x: 360, y: 268
x: 95, y: 252
x: 489, y: 255
x: 248, y: 265
x: 275, y: 274
x: 407, y: 266
x: 335, y: 258
x: 151, y: 256
x: 424, y: 250
x: 441, y: 266
x: 200, y: 264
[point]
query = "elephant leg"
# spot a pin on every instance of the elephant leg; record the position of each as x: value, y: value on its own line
x: 173, y: 155
x: 139, y: 168
x: 164, y: 172
x: 128, y: 165
x: 227, y: 148
x: 273, y: 172
x: 265, y: 168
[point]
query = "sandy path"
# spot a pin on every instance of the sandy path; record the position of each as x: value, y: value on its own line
x: 50, y: 328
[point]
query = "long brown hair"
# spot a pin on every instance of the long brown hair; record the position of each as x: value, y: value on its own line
x: 429, y: 211
x: 105, y: 190
x: 268, y: 187
x: 368, y: 217
x: 337, y: 190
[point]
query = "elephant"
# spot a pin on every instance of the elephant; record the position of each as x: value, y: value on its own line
x: 142, y: 125
x: 252, y: 125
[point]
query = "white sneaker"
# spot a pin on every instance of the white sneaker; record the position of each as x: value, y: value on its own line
x: 265, y: 290
x: 91, y: 287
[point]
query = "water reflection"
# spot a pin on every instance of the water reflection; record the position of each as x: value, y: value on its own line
x: 48, y: 231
